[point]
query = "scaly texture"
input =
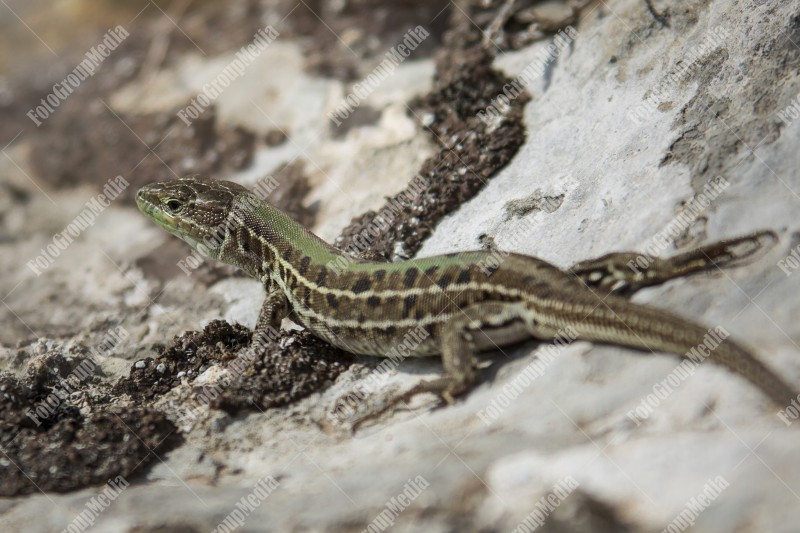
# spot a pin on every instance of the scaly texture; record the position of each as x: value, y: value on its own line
x: 454, y: 305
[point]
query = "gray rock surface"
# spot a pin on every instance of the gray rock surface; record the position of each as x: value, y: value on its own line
x: 620, y: 172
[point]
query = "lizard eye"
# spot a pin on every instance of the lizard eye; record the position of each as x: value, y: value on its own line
x: 173, y: 206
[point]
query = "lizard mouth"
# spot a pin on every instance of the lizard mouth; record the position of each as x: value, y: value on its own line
x: 148, y: 202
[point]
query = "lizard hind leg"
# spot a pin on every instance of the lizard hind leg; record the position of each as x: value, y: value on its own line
x: 470, y: 330
x: 624, y: 273
x: 481, y: 326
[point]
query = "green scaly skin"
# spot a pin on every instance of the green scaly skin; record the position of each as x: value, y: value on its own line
x: 368, y: 307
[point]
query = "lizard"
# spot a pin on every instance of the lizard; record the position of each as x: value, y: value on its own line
x: 367, y: 307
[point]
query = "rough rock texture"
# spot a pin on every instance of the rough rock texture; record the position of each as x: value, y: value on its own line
x: 627, y: 125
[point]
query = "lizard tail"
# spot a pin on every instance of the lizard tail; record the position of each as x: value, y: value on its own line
x: 652, y: 329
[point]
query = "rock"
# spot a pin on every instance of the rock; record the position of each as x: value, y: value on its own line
x: 625, y: 126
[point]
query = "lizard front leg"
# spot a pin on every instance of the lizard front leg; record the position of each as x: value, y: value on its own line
x: 624, y: 273
x: 274, y: 309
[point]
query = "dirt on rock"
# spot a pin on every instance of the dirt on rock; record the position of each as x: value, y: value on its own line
x: 277, y: 373
x: 471, y: 149
x: 62, y: 429
x: 97, y: 429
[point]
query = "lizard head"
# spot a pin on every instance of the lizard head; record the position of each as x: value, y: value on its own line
x: 194, y: 208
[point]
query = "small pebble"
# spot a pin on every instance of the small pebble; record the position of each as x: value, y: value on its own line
x: 139, y: 364
x: 286, y: 341
x: 161, y: 368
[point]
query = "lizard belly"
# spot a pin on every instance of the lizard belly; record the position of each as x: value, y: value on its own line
x: 413, y: 341
x: 382, y: 342
x: 488, y: 338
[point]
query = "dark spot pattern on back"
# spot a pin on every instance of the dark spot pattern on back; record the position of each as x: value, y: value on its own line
x: 463, y: 277
x: 411, y: 277
x: 361, y: 285
x: 332, y: 301
x: 379, y: 275
x: 444, y: 281
x: 249, y: 243
x: 408, y: 303
x: 256, y: 245
x: 244, y: 242
x: 304, y: 262
x: 373, y: 301
x: 430, y: 271
x: 542, y: 289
